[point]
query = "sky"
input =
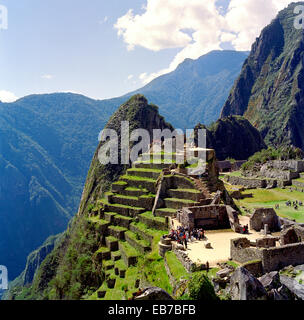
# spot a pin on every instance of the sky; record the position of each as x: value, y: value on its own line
x: 104, y: 49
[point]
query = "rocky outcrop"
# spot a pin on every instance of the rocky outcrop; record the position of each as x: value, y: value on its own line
x: 293, y: 286
x: 270, y: 89
x: 35, y: 259
x: 244, y: 286
x: 154, y: 293
x: 223, y: 134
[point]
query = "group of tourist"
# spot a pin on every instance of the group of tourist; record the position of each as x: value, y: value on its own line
x: 295, y: 204
x: 184, y: 235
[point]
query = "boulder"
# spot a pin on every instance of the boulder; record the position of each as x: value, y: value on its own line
x: 294, y: 286
x: 282, y: 293
x: 154, y: 293
x: 244, y: 286
x: 223, y: 273
x: 270, y: 280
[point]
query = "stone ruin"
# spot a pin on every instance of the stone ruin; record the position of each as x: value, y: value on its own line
x: 209, y: 217
x: 265, y: 216
x: 271, y: 253
x: 272, y: 174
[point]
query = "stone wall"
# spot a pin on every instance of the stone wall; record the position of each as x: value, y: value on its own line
x: 277, y: 258
x: 273, y: 259
x: 241, y: 251
x: 208, y: 217
x: 293, y: 234
x: 247, y: 182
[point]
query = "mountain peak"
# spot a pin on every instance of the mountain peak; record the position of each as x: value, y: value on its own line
x: 269, y: 91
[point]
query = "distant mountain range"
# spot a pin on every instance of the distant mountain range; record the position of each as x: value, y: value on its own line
x: 197, y: 89
x: 47, y: 142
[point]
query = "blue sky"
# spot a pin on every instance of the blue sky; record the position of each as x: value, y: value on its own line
x: 102, y: 49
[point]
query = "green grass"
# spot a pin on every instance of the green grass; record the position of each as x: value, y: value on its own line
x: 136, y: 178
x: 98, y: 220
x: 129, y: 250
x: 102, y: 249
x: 235, y: 174
x: 120, y: 183
x: 111, y: 239
x: 120, y: 264
x: 123, y: 217
x: 126, y: 197
x: 124, y: 206
x: 180, y: 200
x: 144, y: 170
x: 108, y: 263
x: 118, y: 228
x: 269, y: 198
x: 136, y: 189
x: 148, y: 214
x: 176, y: 268
x: 167, y: 210
x: 186, y: 190
x: 136, y: 238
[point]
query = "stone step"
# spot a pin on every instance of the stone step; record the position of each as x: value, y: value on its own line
x: 102, y: 254
x: 187, y: 194
x: 142, y: 230
x: 128, y: 253
x: 180, y: 182
x: 109, y: 216
x: 145, y: 173
x: 122, y: 221
x: 133, y: 192
x: 175, y: 203
x: 118, y: 186
x: 158, y: 223
x: 115, y: 255
x: 117, y: 232
x: 165, y: 212
x: 112, y: 243
x: 147, y: 165
x: 125, y: 200
x: 140, y: 182
x: 139, y: 244
x: 123, y: 210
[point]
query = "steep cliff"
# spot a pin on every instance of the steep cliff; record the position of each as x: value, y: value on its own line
x: 233, y: 137
x: 270, y: 89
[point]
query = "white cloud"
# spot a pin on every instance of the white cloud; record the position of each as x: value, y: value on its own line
x: 104, y: 20
x: 47, y: 76
x: 131, y: 76
x: 7, y: 96
x: 166, y: 24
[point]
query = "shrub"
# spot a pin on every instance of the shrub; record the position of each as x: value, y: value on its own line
x: 200, y: 288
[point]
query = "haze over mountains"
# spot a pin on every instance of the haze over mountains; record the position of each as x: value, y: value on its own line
x: 47, y: 142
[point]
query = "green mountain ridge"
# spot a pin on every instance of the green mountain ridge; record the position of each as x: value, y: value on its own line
x: 269, y: 91
x: 47, y: 142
